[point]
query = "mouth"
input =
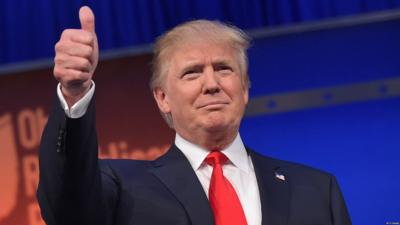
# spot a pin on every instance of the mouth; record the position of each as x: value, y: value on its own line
x: 214, y: 105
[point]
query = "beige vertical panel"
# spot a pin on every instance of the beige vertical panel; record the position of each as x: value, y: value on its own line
x: 8, y: 166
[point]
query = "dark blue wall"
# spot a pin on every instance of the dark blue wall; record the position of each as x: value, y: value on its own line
x: 29, y: 29
x: 358, y: 141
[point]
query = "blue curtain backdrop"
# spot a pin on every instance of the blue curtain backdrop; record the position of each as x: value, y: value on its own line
x: 357, y: 141
x: 29, y: 29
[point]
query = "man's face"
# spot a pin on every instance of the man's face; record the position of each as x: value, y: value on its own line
x: 203, y: 90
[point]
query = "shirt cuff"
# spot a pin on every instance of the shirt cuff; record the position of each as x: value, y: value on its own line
x: 80, y: 107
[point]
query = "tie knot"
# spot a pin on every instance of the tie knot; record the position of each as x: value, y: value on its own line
x: 216, y: 157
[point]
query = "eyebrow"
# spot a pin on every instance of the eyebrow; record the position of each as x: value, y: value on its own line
x: 197, y: 64
x: 194, y: 66
x: 222, y: 63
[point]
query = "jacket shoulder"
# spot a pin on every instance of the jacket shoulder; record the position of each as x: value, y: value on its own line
x: 121, y: 169
x: 296, y: 172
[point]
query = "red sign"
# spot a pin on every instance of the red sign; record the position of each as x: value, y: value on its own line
x: 128, y: 122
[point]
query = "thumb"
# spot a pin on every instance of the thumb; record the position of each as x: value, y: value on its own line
x: 86, y: 17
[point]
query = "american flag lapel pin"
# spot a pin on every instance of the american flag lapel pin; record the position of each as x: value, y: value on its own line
x: 280, y: 176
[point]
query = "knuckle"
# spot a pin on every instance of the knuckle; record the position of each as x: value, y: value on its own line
x: 65, y: 33
x: 57, y: 59
x: 91, y: 37
x: 89, y: 51
x: 56, y: 72
x: 61, y: 46
x: 60, y: 60
x: 87, y: 65
x: 58, y: 46
x: 75, y: 74
x: 69, y: 75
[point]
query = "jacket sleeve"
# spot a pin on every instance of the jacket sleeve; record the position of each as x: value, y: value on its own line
x: 71, y: 188
x: 340, y: 215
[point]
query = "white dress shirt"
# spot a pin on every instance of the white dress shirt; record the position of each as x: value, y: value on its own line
x: 238, y: 170
x: 80, y: 107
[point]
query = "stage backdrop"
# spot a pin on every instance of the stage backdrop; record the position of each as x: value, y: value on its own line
x: 328, y: 98
x: 130, y: 126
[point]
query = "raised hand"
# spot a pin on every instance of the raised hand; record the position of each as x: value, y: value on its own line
x: 76, y: 57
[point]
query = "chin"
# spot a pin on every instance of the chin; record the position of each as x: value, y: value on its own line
x: 217, y: 125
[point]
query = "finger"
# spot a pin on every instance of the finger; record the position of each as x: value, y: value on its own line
x: 76, y: 35
x: 74, y: 49
x: 73, y: 62
x: 86, y: 18
x: 70, y: 76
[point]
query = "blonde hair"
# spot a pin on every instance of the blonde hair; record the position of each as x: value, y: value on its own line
x: 203, y: 30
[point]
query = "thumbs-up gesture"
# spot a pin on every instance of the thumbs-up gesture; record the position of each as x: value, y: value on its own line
x: 76, y: 57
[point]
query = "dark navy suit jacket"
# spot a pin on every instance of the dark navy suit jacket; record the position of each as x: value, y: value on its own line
x: 76, y: 188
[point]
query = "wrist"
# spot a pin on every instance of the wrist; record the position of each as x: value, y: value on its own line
x: 74, y: 94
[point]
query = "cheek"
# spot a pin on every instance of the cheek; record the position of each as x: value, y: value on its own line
x: 188, y: 92
x: 235, y: 90
x: 182, y: 98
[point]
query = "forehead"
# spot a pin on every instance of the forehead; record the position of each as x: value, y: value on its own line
x: 201, y: 52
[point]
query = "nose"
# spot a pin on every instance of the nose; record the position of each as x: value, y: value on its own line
x: 211, y: 83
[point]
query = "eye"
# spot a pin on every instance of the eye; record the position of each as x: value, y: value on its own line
x: 224, y: 69
x: 191, y: 73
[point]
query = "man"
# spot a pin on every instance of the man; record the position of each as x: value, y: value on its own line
x: 207, y: 177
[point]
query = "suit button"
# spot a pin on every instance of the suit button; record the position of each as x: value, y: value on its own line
x: 60, y: 137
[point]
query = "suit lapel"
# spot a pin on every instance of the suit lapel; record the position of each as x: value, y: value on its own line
x: 176, y: 173
x: 274, y: 191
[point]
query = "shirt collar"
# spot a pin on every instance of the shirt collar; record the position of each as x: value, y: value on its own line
x: 236, y: 153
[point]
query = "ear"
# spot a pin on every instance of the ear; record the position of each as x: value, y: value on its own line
x: 161, y: 99
x: 246, y: 95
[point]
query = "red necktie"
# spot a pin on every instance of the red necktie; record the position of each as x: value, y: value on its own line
x: 223, y: 198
